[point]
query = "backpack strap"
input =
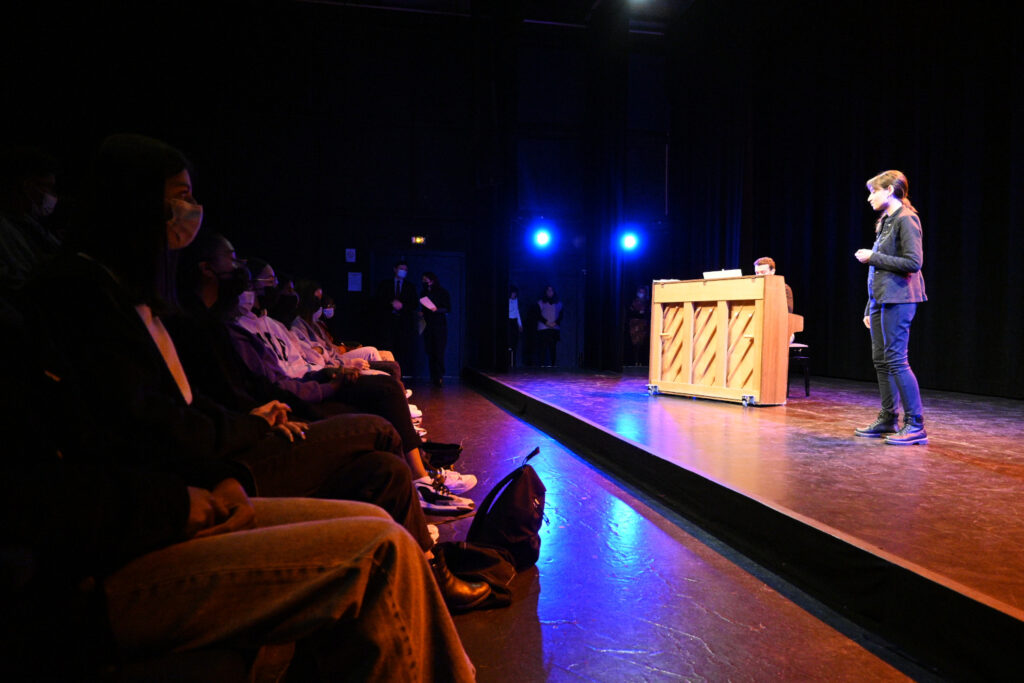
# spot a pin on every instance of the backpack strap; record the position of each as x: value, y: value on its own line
x: 485, y: 504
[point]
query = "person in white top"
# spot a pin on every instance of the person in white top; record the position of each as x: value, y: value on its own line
x: 515, y: 325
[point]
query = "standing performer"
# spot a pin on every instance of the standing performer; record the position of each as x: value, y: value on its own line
x: 515, y: 326
x: 436, y: 302
x: 548, y: 326
x: 895, y: 287
x: 396, y: 310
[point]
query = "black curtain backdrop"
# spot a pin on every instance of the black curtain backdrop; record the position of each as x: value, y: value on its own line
x: 783, y: 110
x: 315, y: 128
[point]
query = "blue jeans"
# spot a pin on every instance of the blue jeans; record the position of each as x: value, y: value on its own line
x: 890, y: 335
x: 338, y: 576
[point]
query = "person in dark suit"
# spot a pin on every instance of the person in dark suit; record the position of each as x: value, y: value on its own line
x: 435, y: 334
x: 895, y: 287
x: 396, y: 305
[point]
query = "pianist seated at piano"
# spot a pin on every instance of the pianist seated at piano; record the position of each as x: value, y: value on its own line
x: 766, y: 266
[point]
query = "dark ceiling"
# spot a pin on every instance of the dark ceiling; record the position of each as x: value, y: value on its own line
x: 645, y: 15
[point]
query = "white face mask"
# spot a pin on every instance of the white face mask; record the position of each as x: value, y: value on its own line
x: 246, y: 300
x: 329, y: 312
x: 184, y: 225
x: 48, y: 205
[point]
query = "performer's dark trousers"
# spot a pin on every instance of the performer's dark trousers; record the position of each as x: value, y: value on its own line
x: 890, y: 335
x: 548, y: 342
x: 435, y: 338
x: 513, y: 342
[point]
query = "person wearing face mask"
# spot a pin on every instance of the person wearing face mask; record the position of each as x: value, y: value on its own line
x: 435, y: 302
x: 296, y: 358
x: 124, y: 400
x: 397, y: 306
x: 28, y: 197
x: 515, y: 326
x: 304, y: 325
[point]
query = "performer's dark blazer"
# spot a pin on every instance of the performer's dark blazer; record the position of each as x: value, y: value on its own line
x: 409, y: 298
x: 894, y: 275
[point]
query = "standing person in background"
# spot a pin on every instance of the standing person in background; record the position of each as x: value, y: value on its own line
x: 515, y: 325
x: 396, y: 305
x: 28, y: 196
x: 895, y: 287
x: 548, y: 326
x: 436, y: 302
x: 639, y: 316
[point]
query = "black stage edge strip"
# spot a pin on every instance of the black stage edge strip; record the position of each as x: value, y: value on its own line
x: 945, y: 631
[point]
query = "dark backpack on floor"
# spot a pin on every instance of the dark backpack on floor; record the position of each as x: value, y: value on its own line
x: 511, y: 514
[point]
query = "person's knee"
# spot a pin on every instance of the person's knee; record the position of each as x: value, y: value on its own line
x: 366, y: 510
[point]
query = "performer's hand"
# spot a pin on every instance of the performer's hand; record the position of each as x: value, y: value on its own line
x: 862, y: 255
x: 396, y: 304
x: 867, y: 321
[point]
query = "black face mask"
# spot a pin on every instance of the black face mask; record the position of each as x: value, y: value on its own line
x: 233, y: 283
x: 231, y: 286
x: 285, y: 307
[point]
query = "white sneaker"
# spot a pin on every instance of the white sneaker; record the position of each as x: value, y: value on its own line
x: 435, y: 498
x: 457, y: 482
x: 434, y: 532
x: 408, y: 393
x: 414, y: 412
x: 421, y: 431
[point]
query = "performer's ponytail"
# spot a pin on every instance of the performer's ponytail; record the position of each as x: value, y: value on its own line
x: 899, y: 184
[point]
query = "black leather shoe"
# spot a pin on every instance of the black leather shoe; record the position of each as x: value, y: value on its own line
x: 912, y: 432
x: 459, y: 595
x: 886, y: 423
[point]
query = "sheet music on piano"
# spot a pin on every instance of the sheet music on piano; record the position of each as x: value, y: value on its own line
x: 719, y: 274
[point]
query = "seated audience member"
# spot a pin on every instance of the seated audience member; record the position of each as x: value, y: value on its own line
x: 307, y: 329
x: 207, y: 265
x: 28, y: 196
x: 126, y: 400
x: 766, y: 266
x: 321, y: 322
x: 380, y: 395
x: 109, y: 567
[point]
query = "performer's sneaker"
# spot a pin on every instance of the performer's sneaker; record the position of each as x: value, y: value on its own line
x: 434, y: 532
x: 435, y: 498
x: 911, y: 434
x: 415, y: 412
x: 886, y: 423
x: 457, y: 482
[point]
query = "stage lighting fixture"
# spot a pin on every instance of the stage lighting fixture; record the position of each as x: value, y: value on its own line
x: 542, y: 238
x: 630, y: 241
x: 419, y: 239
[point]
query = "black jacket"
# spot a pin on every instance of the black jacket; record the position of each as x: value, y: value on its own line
x: 894, y: 273
x: 115, y: 391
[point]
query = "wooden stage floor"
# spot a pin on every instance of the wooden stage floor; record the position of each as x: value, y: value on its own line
x: 640, y: 569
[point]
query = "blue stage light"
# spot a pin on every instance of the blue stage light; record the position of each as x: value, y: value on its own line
x: 542, y: 238
x: 630, y: 241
